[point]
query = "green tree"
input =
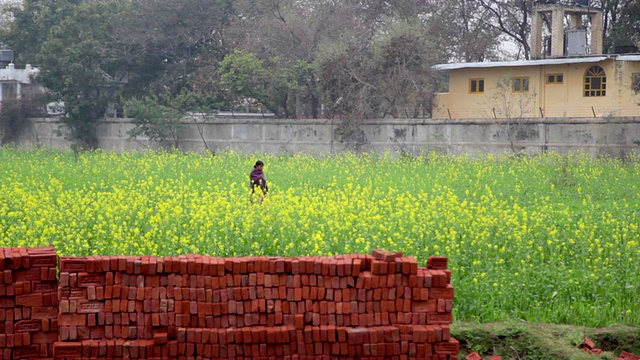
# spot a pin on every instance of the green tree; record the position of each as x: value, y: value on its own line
x: 626, y: 31
x: 30, y: 26
x: 400, y: 71
x: 81, y: 62
x: 161, y: 117
x: 242, y: 75
x: 91, y: 52
x: 175, y: 40
x: 157, y: 118
x: 344, y: 85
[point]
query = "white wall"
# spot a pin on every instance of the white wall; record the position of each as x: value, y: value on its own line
x: 617, y: 137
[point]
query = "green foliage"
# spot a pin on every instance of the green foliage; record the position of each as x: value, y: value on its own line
x: 272, y: 83
x: 158, y: 118
x: 286, y: 80
x: 343, y: 69
x: 626, y: 30
x: 402, y: 79
x: 81, y: 63
x: 92, y: 52
x: 30, y: 27
x: 243, y: 75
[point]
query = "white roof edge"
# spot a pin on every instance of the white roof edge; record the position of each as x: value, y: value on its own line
x: 629, y: 57
x: 560, y: 61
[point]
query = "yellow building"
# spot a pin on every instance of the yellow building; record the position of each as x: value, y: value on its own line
x: 563, y: 81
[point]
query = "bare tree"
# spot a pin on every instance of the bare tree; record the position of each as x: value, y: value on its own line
x: 292, y: 32
x: 463, y: 29
x: 513, y: 102
x: 512, y: 18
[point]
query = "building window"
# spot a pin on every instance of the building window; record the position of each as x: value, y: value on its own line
x: 520, y: 84
x: 9, y: 91
x: 595, y: 82
x: 635, y: 82
x: 555, y: 78
x: 476, y: 86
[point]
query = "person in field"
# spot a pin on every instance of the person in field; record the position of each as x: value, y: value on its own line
x: 258, y: 180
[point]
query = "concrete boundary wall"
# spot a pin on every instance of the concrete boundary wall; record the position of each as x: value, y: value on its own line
x: 617, y: 137
x: 377, y: 306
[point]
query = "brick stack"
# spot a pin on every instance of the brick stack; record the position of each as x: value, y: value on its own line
x: 378, y: 306
x: 28, y: 302
x: 113, y: 307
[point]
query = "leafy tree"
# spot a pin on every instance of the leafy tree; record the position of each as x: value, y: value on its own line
x: 90, y: 51
x: 161, y: 117
x: 287, y: 35
x: 626, y: 31
x: 242, y: 75
x: 343, y: 79
x: 30, y: 25
x: 178, y: 37
x: 273, y: 83
x: 80, y: 61
x: 400, y: 72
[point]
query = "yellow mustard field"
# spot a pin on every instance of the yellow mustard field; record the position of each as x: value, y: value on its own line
x: 548, y: 238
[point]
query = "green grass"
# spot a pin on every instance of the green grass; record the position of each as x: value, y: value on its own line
x: 549, y: 238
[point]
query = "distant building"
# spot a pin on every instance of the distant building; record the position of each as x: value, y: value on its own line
x: 16, y: 83
x: 569, y: 76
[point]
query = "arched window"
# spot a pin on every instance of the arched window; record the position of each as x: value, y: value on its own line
x: 595, y: 82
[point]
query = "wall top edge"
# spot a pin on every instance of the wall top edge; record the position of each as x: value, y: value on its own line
x: 430, y: 121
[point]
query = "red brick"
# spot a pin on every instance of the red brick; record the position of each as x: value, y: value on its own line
x: 450, y: 347
x: 442, y: 292
x: 625, y: 355
x: 67, y: 349
x: 31, y: 300
x: 437, y: 262
x: 72, y: 265
x: 587, y: 344
x: 439, y: 318
x: 474, y: 356
x: 27, y: 352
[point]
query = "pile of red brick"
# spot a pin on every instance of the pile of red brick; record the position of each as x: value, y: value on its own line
x: 28, y: 302
x: 378, y: 306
